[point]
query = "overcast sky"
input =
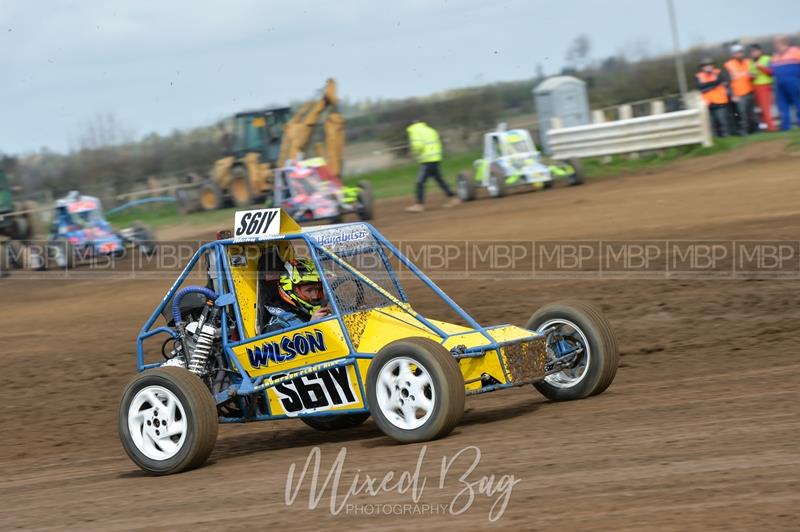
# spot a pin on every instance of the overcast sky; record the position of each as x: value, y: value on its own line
x: 165, y: 64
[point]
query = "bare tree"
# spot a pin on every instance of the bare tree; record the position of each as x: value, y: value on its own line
x: 579, y: 52
x: 103, y: 131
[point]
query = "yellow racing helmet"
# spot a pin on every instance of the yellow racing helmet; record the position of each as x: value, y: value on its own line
x: 298, y: 272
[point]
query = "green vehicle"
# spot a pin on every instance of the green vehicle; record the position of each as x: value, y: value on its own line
x: 14, y: 225
x: 16, y: 230
x: 510, y: 159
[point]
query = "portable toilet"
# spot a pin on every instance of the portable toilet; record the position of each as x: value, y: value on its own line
x: 561, y: 97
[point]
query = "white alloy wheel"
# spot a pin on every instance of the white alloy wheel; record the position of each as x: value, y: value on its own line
x: 157, y: 423
x: 405, y: 393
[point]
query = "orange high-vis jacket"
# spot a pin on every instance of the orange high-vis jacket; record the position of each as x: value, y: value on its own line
x: 714, y: 96
x: 739, y: 70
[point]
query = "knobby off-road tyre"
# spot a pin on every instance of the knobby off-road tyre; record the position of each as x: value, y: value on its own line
x: 497, y: 182
x: 465, y: 186
x: 25, y: 256
x: 11, y: 256
x: 211, y: 197
x: 415, y: 390
x: 61, y: 253
x: 145, y: 239
x: 167, y: 421
x: 577, y: 178
x: 342, y: 421
x: 596, y: 366
x: 186, y: 202
x: 241, y: 190
x: 366, y: 201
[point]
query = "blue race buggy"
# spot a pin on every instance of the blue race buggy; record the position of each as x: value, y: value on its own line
x: 371, y: 354
x: 80, y: 231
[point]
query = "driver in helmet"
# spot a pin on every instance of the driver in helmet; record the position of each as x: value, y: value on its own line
x: 299, y: 298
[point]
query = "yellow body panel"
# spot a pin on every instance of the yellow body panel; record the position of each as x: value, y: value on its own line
x: 372, y: 330
x: 317, y: 342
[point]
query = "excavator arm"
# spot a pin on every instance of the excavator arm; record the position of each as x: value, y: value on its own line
x: 300, y: 128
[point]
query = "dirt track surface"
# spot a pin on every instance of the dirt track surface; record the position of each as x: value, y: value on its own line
x: 698, y: 431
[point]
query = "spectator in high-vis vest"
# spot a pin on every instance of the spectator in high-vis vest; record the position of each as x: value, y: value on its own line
x: 761, y: 74
x: 738, y: 67
x: 785, y: 66
x: 712, y: 84
x: 427, y: 148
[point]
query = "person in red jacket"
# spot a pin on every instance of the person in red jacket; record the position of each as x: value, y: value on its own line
x: 761, y: 74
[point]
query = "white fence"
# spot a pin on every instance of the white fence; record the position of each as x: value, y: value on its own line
x: 631, y: 135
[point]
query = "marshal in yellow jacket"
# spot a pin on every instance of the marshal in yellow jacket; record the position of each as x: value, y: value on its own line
x: 425, y: 143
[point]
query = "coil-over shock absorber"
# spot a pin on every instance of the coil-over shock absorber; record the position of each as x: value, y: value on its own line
x: 205, y: 332
x: 202, y: 348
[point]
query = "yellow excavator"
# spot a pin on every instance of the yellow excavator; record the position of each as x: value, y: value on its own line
x: 264, y: 140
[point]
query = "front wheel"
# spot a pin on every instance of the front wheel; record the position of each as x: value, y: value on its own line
x: 211, y: 197
x: 465, y: 185
x: 497, y: 182
x: 415, y: 390
x: 167, y: 421
x: 579, y: 329
x: 241, y: 190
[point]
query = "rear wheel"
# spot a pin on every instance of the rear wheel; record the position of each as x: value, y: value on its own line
x: 210, y: 196
x: 6, y: 258
x: 465, y: 185
x: 145, y: 238
x: 31, y: 258
x: 241, y: 191
x: 15, y: 254
x: 415, y: 390
x: 577, y: 177
x: 167, y: 421
x: 366, y: 201
x: 576, y: 325
x: 335, y: 422
x: 185, y: 201
x: 21, y: 227
x: 62, y: 253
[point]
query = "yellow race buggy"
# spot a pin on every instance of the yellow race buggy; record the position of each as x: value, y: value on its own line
x: 373, y: 355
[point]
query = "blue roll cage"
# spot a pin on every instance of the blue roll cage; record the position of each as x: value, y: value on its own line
x: 227, y: 297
